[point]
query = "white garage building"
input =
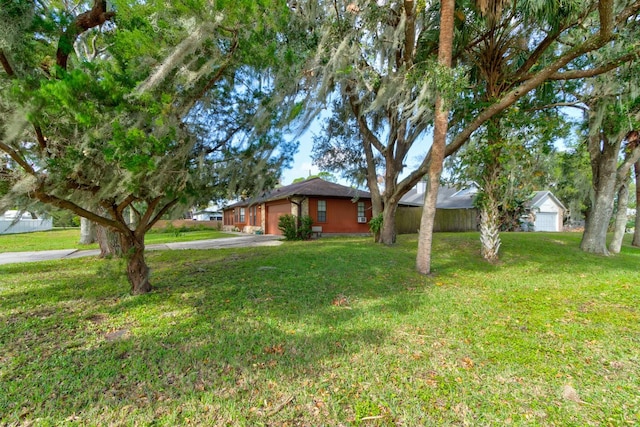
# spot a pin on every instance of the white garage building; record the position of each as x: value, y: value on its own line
x: 548, y: 211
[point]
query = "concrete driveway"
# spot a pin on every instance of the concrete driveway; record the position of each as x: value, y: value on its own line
x: 243, y: 241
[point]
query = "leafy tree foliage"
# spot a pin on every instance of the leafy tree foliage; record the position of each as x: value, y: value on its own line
x: 375, y: 66
x: 138, y: 106
x: 573, y: 181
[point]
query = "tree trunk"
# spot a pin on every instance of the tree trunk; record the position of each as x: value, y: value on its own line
x: 636, y: 231
x: 441, y: 123
x: 137, y: 269
x: 604, y: 166
x: 594, y: 238
x: 388, y: 232
x: 427, y: 221
x: 621, y: 217
x: 87, y: 231
x: 109, y: 241
x: 490, y: 228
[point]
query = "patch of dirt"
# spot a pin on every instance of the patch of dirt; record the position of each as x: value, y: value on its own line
x: 116, y: 335
x: 97, y: 318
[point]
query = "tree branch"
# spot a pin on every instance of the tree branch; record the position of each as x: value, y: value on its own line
x: 151, y: 206
x: 15, y: 156
x: 41, y: 195
x: 6, y: 65
x: 559, y: 104
x: 162, y: 211
x: 95, y: 17
x: 126, y: 202
x: 628, y: 162
x: 409, y: 33
x: 581, y: 74
x: 42, y: 142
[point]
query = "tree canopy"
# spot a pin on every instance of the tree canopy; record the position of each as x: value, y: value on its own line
x: 141, y: 106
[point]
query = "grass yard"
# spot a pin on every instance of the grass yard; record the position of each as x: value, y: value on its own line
x: 68, y: 239
x: 337, y: 331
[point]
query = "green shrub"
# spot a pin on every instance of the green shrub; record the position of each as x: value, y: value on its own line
x: 304, y: 232
x: 288, y: 224
x: 375, y: 224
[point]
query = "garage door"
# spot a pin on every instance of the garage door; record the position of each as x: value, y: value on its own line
x: 546, y: 221
x: 274, y: 212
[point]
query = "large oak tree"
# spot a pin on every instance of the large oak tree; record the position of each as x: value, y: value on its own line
x: 137, y: 106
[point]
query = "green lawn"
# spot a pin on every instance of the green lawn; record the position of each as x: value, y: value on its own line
x: 337, y: 331
x: 68, y: 239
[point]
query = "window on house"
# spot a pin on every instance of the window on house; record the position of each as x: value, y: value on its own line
x: 241, y: 218
x: 361, y: 210
x: 322, y: 211
x: 253, y: 215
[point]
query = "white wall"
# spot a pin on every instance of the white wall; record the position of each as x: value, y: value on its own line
x: 549, y: 206
x: 25, y: 225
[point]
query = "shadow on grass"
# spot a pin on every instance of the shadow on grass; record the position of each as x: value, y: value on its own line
x: 223, y: 325
x: 216, y: 321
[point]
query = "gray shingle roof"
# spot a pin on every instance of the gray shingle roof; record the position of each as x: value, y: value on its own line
x: 448, y: 198
x: 539, y: 196
x: 314, y: 187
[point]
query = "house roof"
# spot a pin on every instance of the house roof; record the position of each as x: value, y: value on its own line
x: 448, y: 197
x: 207, y: 211
x: 454, y: 198
x: 314, y: 187
x: 540, y: 196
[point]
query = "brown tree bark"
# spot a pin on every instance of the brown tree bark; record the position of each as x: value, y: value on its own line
x: 95, y: 17
x: 445, y: 50
x: 388, y: 232
x: 137, y: 269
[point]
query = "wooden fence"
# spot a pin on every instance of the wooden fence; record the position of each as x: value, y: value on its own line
x: 408, y: 220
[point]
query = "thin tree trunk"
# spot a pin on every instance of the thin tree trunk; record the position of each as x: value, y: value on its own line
x: 87, y: 231
x: 388, y: 232
x: 636, y: 231
x: 621, y: 217
x: 425, y: 238
x: 137, y: 269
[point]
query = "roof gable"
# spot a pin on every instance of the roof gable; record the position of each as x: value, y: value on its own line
x: 540, y: 196
x: 314, y: 187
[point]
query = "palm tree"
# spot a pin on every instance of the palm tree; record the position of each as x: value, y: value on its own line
x: 441, y: 123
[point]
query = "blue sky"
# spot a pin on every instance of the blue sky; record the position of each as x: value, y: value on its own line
x: 302, y: 164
